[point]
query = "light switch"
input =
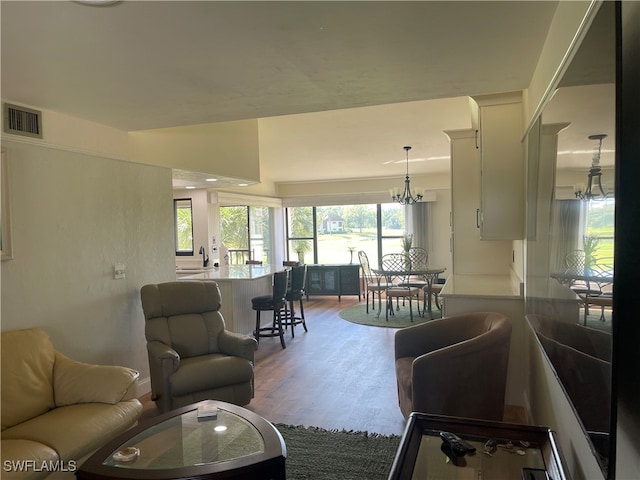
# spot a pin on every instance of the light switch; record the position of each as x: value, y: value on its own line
x: 118, y: 271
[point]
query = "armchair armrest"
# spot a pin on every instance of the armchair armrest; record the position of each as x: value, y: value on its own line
x: 237, y: 344
x: 76, y: 382
x: 164, y: 355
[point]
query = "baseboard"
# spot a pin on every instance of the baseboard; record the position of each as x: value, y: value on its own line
x: 144, y: 387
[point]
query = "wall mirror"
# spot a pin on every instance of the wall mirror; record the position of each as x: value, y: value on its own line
x: 571, y: 234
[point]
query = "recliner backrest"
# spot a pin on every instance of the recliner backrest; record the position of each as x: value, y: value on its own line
x: 184, y: 315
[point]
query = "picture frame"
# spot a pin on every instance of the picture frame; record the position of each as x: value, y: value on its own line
x: 6, y: 250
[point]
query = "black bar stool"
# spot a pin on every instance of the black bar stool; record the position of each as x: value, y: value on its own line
x: 295, y: 293
x: 276, y: 303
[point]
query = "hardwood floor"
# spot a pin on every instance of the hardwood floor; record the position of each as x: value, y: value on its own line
x: 336, y: 375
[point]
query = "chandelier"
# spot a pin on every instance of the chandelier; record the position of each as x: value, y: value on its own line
x: 594, y: 178
x: 406, y: 197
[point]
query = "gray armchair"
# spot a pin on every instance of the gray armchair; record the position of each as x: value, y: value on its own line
x: 192, y: 357
x: 455, y: 366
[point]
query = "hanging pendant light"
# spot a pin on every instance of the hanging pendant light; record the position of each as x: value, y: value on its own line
x: 407, y: 197
x: 594, y: 188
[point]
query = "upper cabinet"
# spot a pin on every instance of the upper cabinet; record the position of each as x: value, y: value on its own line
x: 498, y: 122
x: 470, y: 254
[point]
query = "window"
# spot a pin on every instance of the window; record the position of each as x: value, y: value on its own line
x: 599, y: 229
x: 301, y: 234
x: 246, y: 232
x: 335, y: 234
x: 183, y: 220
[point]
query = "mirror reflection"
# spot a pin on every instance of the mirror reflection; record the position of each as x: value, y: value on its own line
x: 570, y: 256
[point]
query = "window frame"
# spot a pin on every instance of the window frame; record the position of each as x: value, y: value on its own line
x: 182, y: 253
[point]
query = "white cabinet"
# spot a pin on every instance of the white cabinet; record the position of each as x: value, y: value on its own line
x: 499, y: 122
x: 471, y: 254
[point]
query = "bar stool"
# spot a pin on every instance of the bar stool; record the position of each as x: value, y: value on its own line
x: 295, y: 293
x: 276, y: 303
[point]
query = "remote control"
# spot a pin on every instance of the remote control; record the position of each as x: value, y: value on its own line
x: 458, y: 445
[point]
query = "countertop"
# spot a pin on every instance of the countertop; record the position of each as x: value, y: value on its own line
x: 235, y: 272
x: 496, y: 286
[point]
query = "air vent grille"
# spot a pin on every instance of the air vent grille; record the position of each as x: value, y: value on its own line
x: 22, y: 121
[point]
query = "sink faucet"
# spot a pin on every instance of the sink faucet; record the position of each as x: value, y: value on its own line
x: 205, y: 257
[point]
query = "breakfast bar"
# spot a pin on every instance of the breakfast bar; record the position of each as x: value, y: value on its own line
x: 238, y: 285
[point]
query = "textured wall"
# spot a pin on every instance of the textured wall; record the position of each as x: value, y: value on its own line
x: 74, y: 216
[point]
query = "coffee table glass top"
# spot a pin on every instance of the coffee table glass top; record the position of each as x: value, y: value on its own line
x: 186, y: 441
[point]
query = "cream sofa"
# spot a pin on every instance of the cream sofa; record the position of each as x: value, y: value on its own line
x: 56, y: 411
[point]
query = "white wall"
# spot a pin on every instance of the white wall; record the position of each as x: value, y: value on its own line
x: 75, y: 215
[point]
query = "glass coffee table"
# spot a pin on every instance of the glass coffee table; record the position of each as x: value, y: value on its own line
x: 237, y: 443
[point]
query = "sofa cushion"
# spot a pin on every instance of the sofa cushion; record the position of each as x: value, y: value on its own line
x: 77, y: 382
x: 17, y: 456
x: 76, y: 430
x: 27, y: 375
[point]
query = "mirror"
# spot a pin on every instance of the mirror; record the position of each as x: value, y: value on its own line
x: 571, y: 232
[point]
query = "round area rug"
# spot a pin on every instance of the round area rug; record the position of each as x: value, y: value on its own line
x: 358, y: 314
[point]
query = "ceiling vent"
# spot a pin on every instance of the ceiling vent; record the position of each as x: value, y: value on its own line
x: 22, y: 121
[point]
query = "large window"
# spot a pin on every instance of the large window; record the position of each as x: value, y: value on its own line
x: 335, y: 234
x: 599, y: 231
x: 246, y: 232
x: 183, y: 221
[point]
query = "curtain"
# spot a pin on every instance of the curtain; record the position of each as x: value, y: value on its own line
x: 565, y: 231
x: 419, y: 225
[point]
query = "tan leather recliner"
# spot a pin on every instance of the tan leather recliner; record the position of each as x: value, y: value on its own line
x: 454, y: 366
x: 192, y: 357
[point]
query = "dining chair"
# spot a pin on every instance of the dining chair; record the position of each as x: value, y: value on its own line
x: 397, y: 269
x: 373, y: 284
x: 575, y: 264
x: 419, y: 259
x: 600, y: 291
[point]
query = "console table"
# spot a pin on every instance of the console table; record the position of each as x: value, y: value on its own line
x: 333, y: 280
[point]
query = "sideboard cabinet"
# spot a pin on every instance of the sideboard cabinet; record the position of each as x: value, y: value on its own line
x: 333, y: 280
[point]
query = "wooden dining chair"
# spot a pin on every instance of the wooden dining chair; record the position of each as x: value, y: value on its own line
x: 397, y: 269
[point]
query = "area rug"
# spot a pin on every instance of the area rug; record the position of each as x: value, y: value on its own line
x: 358, y: 314
x: 315, y: 453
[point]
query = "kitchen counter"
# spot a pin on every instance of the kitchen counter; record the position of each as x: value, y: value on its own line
x: 238, y: 285
x: 232, y: 272
x: 487, y: 286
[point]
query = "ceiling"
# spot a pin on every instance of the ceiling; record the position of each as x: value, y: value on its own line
x: 338, y: 87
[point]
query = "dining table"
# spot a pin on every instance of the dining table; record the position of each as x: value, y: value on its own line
x: 569, y: 277
x: 427, y: 273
